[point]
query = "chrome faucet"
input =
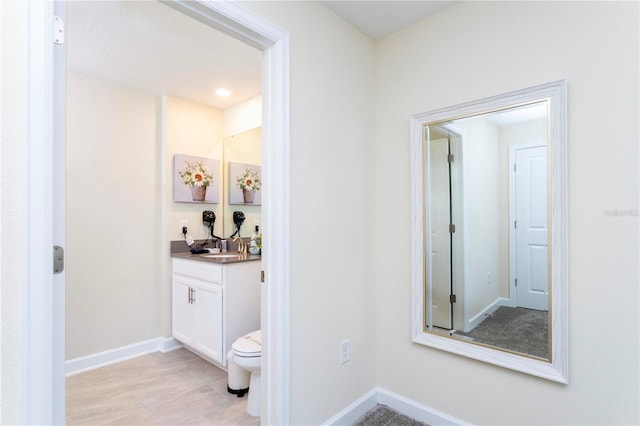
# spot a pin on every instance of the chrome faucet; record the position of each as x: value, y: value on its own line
x: 242, y: 246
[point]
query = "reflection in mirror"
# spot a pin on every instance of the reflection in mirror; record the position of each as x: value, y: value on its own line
x: 489, y: 222
x: 245, y: 148
x: 494, y: 165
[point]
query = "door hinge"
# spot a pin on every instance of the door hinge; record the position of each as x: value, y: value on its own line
x: 58, y: 259
x: 452, y: 228
x: 516, y: 282
x: 261, y: 276
x: 514, y: 167
x: 450, y: 158
x: 452, y: 298
x: 515, y: 224
x: 58, y: 30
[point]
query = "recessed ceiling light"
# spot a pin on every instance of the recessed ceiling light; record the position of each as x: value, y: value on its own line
x: 223, y: 92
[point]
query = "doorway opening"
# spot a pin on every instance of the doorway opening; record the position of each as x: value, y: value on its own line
x: 446, y: 272
x: 248, y: 28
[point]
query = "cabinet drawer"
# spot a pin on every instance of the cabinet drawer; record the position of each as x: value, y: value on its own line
x: 199, y: 270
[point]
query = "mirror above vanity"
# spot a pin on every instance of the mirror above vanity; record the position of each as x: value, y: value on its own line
x: 242, y: 151
x: 225, y: 196
x: 489, y: 230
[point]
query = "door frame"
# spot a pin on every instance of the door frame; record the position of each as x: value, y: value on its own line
x: 42, y: 349
x: 513, y: 295
x: 458, y: 269
x: 435, y: 318
x: 39, y: 351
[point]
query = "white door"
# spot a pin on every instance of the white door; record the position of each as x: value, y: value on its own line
x: 440, y: 237
x: 532, y: 230
x: 208, y: 303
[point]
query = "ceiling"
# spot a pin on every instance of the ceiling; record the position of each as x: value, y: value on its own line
x: 378, y: 19
x: 151, y: 47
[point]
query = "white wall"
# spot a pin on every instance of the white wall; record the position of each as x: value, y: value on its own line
x: 243, y: 117
x: 118, y: 140
x: 191, y: 129
x: 492, y: 48
x: 332, y: 293
x: 481, y: 215
x: 117, y: 213
x: 113, y: 216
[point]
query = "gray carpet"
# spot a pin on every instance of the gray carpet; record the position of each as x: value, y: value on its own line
x: 381, y: 415
x: 516, y: 329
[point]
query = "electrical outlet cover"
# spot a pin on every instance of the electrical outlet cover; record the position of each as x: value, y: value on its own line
x: 345, y: 351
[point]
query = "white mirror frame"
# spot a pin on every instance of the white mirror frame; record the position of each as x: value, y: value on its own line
x: 558, y: 367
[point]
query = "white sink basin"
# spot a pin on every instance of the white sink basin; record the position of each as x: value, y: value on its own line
x: 219, y: 255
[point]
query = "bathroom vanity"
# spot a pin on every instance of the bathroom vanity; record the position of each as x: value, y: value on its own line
x: 215, y: 300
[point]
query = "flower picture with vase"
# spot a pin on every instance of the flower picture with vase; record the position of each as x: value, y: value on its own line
x: 245, y: 184
x: 196, y: 179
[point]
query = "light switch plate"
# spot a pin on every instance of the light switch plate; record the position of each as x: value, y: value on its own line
x: 345, y: 351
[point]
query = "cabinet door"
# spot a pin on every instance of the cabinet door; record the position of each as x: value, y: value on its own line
x: 209, y: 321
x: 183, y: 311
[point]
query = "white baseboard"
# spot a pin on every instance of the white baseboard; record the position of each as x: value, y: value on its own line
x: 416, y: 410
x: 397, y: 402
x: 169, y: 344
x: 354, y: 411
x: 488, y: 310
x: 112, y: 356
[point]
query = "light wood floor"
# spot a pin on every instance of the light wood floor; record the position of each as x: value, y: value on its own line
x: 176, y: 388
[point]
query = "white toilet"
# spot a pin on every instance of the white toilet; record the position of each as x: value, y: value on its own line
x: 247, y: 353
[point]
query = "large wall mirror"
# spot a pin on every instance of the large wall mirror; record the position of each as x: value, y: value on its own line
x: 489, y: 228
x: 243, y: 148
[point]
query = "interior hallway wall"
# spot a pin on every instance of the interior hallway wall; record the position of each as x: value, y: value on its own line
x: 192, y: 129
x: 481, y: 218
x: 112, y: 217
x: 492, y: 48
x: 111, y: 147
x: 332, y: 295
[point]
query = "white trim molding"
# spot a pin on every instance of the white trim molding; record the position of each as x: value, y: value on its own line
x: 38, y: 383
x: 399, y: 403
x: 113, y: 356
x: 244, y: 25
x: 486, y: 311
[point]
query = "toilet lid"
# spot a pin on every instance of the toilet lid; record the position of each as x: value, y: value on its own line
x: 248, y: 345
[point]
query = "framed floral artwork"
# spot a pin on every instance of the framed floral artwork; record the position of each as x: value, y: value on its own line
x: 196, y: 179
x: 245, y: 183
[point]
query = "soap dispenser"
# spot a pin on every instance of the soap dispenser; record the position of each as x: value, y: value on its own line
x: 255, y: 237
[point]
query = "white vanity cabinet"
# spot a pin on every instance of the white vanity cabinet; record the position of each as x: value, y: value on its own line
x: 214, y: 304
x: 197, y: 315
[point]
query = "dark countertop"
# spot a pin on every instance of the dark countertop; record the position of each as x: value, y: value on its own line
x: 206, y: 257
